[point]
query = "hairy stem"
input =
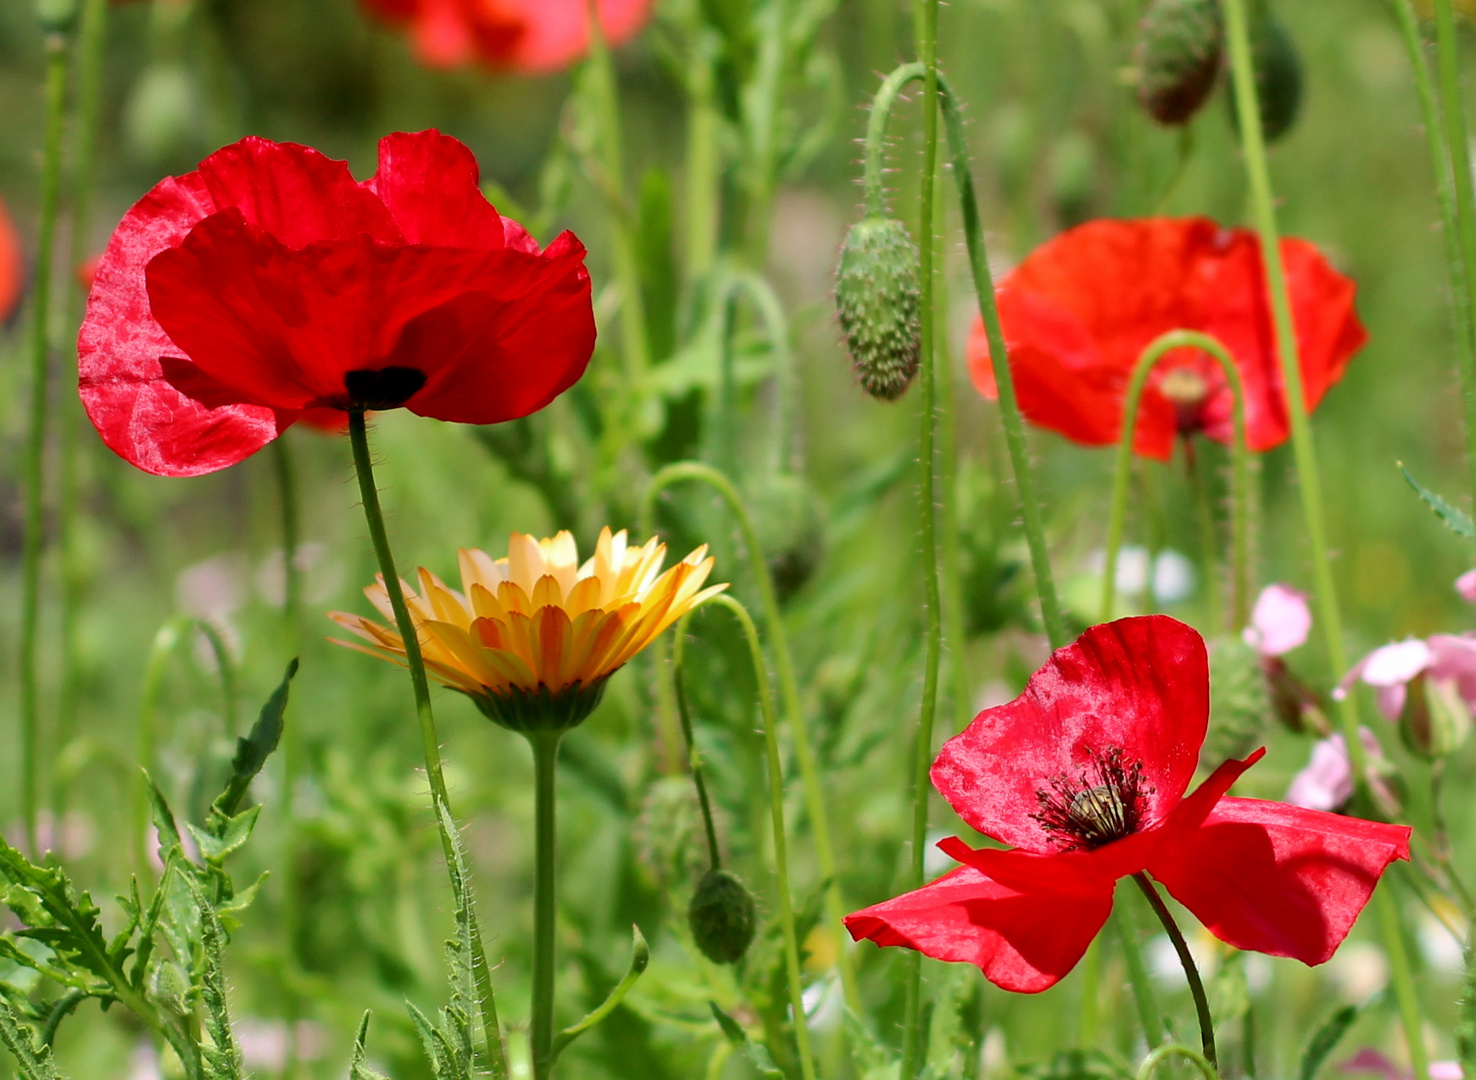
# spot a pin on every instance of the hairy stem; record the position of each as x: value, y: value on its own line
x: 1191, y: 970
x: 545, y: 745
x: 694, y: 760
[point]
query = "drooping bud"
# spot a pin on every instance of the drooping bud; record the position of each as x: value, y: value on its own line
x: 1293, y: 702
x: 1180, y: 43
x: 791, y: 530
x: 878, y: 296
x: 1278, y: 68
x: 722, y: 917
x: 1435, y: 720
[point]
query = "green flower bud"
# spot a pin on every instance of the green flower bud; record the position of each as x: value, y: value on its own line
x: 1435, y: 720
x: 1239, y: 704
x: 791, y: 530
x: 722, y: 917
x: 878, y: 296
x: 56, y: 16
x: 1278, y: 68
x: 1180, y: 43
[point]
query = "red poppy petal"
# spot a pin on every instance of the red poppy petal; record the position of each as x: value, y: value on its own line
x: 1278, y: 879
x: 12, y: 264
x: 555, y: 33
x: 1022, y: 941
x: 294, y: 193
x: 1137, y: 685
x: 429, y: 183
x: 1063, y: 871
x: 507, y: 359
x: 138, y: 413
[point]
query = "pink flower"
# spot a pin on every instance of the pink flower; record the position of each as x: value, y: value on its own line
x: 1445, y: 658
x: 1466, y: 586
x: 1327, y: 781
x: 1369, y: 1060
x: 1280, y: 621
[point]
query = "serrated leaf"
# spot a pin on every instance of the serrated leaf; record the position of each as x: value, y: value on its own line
x: 224, y: 836
x: 222, y: 1058
x: 1326, y: 1038
x: 252, y: 752
x: 758, y: 1054
x: 1455, y: 520
x: 164, y: 822
x: 32, y: 1058
x: 358, y: 1065
x: 873, y: 1061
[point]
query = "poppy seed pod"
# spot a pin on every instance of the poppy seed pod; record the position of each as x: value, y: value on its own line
x: 722, y: 917
x: 1278, y: 67
x: 878, y: 295
x: 1180, y: 43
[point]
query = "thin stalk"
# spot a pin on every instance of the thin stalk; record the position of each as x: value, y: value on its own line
x: 635, y: 347
x: 1091, y: 974
x: 1148, y: 1015
x: 1243, y: 79
x: 694, y: 760
x: 1186, y: 958
x: 1209, y: 543
x: 954, y: 632
x: 88, y: 67
x: 430, y: 744
x: 781, y: 849
x: 788, y: 691
x: 57, y: 54
x: 545, y: 746
x: 703, y: 161
x: 146, y: 738
x: 1150, y: 1063
x: 925, y: 12
x: 1436, y: 130
x: 761, y: 113
x: 1239, y: 477
x: 1458, y: 151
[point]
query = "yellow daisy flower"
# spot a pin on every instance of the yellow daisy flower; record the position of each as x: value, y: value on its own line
x: 532, y: 638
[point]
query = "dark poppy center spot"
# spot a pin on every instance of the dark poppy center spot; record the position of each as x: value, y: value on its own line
x: 382, y: 388
x: 1103, y: 802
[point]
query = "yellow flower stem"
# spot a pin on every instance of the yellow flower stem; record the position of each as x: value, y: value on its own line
x: 1239, y: 476
x: 1304, y: 450
x: 545, y: 746
x: 781, y: 849
x: 788, y: 691
x: 374, y: 516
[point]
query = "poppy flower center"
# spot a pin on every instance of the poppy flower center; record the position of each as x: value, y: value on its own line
x: 1187, y: 391
x: 1104, y: 802
x: 381, y: 388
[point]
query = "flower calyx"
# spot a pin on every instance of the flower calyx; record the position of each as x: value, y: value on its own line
x: 542, y: 709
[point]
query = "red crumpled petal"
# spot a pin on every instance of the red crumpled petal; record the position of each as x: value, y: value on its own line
x: 139, y: 414
x: 1079, y: 311
x: 1278, y: 879
x: 12, y: 265
x: 429, y: 182
x: 1022, y: 941
x: 1140, y: 685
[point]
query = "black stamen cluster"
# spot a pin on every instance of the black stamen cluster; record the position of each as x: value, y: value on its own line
x: 1104, y: 802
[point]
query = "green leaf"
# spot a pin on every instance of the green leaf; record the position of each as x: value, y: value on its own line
x: 32, y: 1058
x: 232, y: 833
x: 1465, y: 1031
x: 757, y: 1053
x: 873, y: 1061
x: 1326, y: 1038
x: 1455, y: 520
x: 358, y: 1065
x: 252, y: 753
x: 222, y: 1058
x: 640, y: 956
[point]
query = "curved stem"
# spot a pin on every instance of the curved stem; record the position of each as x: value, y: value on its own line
x: 776, y: 815
x: 35, y: 536
x: 430, y: 744
x: 545, y: 746
x: 1191, y: 970
x: 1156, y: 350
x: 1243, y: 78
x: 788, y: 689
x: 1209, y: 553
x: 1189, y: 1054
x: 694, y: 760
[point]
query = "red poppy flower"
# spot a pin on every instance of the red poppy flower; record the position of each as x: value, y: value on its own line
x: 532, y: 37
x: 12, y: 265
x: 233, y: 299
x: 1078, y: 312
x: 1084, y: 775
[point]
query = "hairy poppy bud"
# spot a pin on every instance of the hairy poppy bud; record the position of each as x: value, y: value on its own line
x: 1180, y: 43
x: 878, y: 296
x: 1435, y: 720
x: 1278, y: 68
x: 791, y: 530
x: 722, y: 917
x: 1238, y: 702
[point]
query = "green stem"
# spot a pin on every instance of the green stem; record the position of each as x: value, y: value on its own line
x: 703, y: 159
x: 90, y: 38
x: 1436, y: 131
x: 1209, y: 547
x: 694, y: 760
x: 788, y: 691
x: 1243, y: 78
x: 1459, y: 157
x: 781, y: 849
x: 430, y: 744
x: 761, y: 116
x: 1148, y: 1015
x: 545, y: 746
x: 1189, y: 1054
x: 146, y: 738
x: 954, y: 631
x: 35, y: 536
x: 1239, y: 456
x: 1186, y: 958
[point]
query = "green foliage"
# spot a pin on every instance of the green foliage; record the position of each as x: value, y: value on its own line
x: 1325, y: 1040
x: 1457, y: 521
x: 32, y: 1058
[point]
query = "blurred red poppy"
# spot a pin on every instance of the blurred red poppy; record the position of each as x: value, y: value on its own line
x: 269, y: 283
x: 12, y: 265
x: 1079, y: 311
x: 1084, y: 775
x: 532, y: 37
